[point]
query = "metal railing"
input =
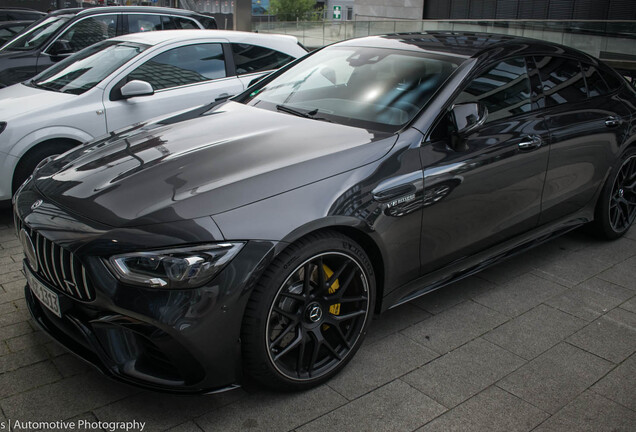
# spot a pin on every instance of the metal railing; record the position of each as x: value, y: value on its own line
x: 614, y: 40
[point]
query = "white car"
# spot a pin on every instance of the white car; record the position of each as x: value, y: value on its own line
x: 126, y: 80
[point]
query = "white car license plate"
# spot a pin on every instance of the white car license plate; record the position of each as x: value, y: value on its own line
x: 46, y: 296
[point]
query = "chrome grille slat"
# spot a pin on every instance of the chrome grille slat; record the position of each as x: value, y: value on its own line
x: 61, y: 284
x: 85, y: 282
x: 57, y: 266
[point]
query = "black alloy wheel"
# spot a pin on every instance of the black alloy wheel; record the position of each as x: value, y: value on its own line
x: 616, y: 209
x: 315, y: 318
x: 622, y: 206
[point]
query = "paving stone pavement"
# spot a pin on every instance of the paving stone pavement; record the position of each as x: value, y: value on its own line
x: 545, y: 342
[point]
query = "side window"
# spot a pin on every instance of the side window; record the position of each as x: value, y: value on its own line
x: 562, y: 80
x: 251, y: 58
x: 178, y: 23
x: 143, y: 23
x: 611, y: 77
x: 595, y: 84
x: 504, y: 89
x: 91, y: 30
x: 181, y: 66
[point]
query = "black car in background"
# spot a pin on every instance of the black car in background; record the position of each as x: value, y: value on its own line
x: 65, y: 31
x: 9, y: 29
x: 19, y: 14
x: 261, y: 234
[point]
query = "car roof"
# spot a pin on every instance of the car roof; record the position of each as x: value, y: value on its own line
x: 159, y: 37
x: 464, y: 44
x: 130, y: 9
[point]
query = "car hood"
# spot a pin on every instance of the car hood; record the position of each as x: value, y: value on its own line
x: 202, y: 163
x: 19, y: 99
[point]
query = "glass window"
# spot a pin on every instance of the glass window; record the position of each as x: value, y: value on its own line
x: 9, y: 32
x: 562, y: 80
x: 143, y: 23
x: 181, y: 66
x: 595, y: 84
x: 90, y: 30
x: 178, y: 23
x: 85, y: 70
x: 38, y: 33
x: 504, y: 89
x: 612, y: 79
x: 251, y: 58
x: 373, y: 88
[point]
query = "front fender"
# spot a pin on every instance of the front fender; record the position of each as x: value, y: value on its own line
x: 36, y: 137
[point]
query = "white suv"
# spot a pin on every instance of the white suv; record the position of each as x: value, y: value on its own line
x: 126, y: 80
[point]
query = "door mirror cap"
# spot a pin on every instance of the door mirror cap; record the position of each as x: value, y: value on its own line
x: 136, y: 88
x: 60, y: 47
x: 468, y: 116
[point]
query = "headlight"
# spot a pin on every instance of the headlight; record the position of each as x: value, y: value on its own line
x: 174, y: 268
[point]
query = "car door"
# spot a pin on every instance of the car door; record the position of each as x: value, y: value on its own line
x: 486, y: 187
x: 81, y: 34
x: 183, y: 77
x: 587, y: 124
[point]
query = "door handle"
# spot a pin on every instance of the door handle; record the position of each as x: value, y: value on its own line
x: 613, y: 121
x: 531, y: 142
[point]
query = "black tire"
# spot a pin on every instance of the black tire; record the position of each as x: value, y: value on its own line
x: 616, y: 207
x: 288, y: 314
x: 33, y: 157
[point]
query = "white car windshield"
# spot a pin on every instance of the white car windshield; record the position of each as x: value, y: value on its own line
x: 35, y: 35
x: 374, y: 88
x: 84, y: 70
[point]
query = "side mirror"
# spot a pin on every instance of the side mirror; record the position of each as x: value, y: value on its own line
x: 136, y: 88
x: 466, y: 117
x: 60, y: 47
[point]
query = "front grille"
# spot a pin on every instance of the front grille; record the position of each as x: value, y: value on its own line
x: 59, y: 267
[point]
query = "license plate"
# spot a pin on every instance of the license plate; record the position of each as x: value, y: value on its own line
x: 46, y: 296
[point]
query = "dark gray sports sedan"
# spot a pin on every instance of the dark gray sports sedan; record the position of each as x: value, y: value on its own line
x: 260, y: 235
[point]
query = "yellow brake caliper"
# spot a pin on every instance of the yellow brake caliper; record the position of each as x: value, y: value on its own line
x: 334, y: 309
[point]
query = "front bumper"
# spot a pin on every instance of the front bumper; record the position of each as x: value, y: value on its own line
x: 183, y: 341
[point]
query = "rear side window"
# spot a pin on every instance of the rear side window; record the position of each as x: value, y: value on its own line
x: 595, y: 84
x: 252, y: 58
x: 182, y: 66
x: 504, y: 89
x: 562, y: 80
x: 143, y: 23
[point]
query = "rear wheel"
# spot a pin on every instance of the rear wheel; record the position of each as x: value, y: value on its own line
x: 616, y: 209
x: 309, y: 314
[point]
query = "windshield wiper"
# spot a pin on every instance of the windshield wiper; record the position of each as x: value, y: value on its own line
x: 308, y: 114
x: 289, y: 110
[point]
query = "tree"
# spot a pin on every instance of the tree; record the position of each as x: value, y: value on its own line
x: 291, y: 10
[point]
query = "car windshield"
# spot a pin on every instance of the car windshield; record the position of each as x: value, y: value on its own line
x: 37, y: 34
x: 84, y: 70
x: 374, y: 88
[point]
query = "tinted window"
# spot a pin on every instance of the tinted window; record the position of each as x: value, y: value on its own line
x: 595, y: 84
x: 504, y: 89
x: 91, y: 30
x: 611, y: 77
x: 178, y: 23
x: 181, y: 66
x: 562, y: 80
x: 252, y: 58
x: 144, y: 23
x: 35, y: 36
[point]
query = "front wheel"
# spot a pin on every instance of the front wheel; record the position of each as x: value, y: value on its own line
x: 616, y: 209
x: 309, y: 314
